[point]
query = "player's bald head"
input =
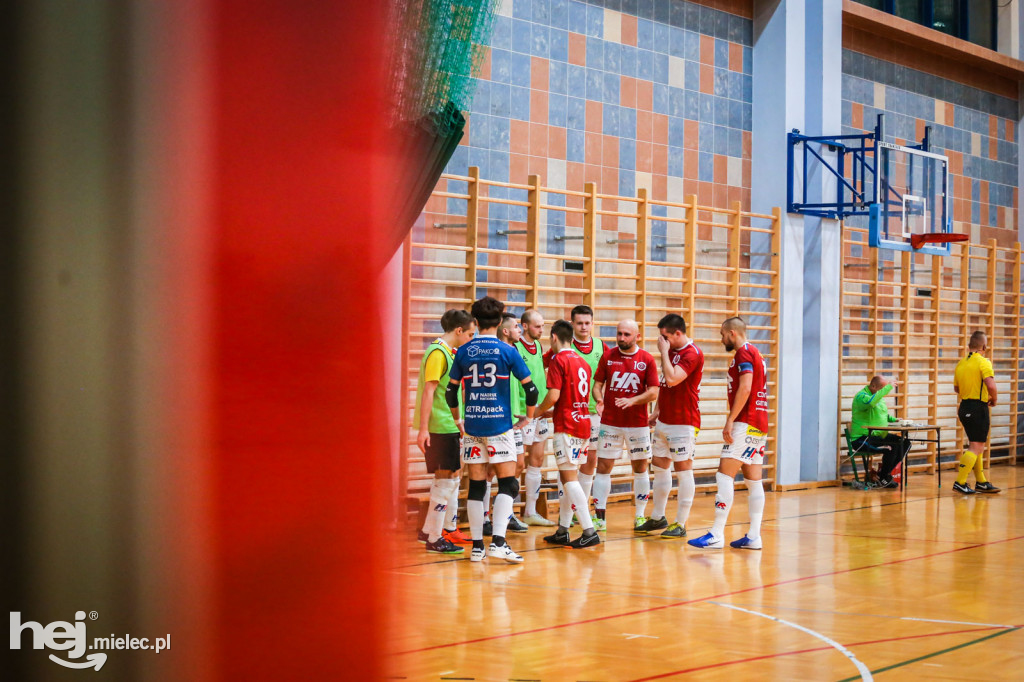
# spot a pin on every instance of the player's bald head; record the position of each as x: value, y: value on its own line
x: 531, y: 316
x: 628, y: 326
x: 735, y: 324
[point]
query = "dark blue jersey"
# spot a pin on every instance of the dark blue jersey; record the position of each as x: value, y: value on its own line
x: 484, y: 367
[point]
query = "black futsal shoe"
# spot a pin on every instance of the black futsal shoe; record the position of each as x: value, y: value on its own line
x: 651, y: 525
x: 561, y: 537
x: 985, y: 488
x: 583, y: 541
x: 516, y: 526
x: 488, y: 529
x: 961, y: 488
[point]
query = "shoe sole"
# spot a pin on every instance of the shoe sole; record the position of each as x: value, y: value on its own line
x: 508, y: 560
x: 434, y: 551
x: 672, y: 537
x: 988, y: 492
x: 758, y: 549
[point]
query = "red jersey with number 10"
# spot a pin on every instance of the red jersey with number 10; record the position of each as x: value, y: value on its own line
x: 625, y: 376
x: 746, y: 360
x: 569, y: 374
x: 679, y: 404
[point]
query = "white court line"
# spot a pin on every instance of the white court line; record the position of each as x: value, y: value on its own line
x: 882, y: 615
x: 865, y: 674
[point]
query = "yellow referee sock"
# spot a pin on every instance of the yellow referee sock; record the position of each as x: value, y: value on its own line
x: 979, y: 470
x: 966, y: 464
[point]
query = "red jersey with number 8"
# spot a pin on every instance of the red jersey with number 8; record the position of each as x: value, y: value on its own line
x: 679, y: 404
x: 747, y: 359
x: 569, y: 374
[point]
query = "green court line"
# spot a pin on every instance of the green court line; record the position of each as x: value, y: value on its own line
x: 934, y: 654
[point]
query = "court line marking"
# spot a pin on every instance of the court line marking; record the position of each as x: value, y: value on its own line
x: 704, y: 599
x: 728, y: 525
x: 780, y: 654
x: 881, y: 615
x: 937, y: 653
x: 865, y: 674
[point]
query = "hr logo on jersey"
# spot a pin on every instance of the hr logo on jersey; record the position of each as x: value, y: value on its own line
x: 623, y: 381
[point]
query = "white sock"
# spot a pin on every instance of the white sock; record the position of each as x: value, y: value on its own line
x: 564, y: 506
x: 579, y: 501
x: 586, y: 481
x: 437, y: 511
x: 687, y: 489
x: 723, y: 503
x: 475, y: 512
x: 452, y: 518
x: 756, y: 505
x: 641, y: 492
x: 502, y: 510
x: 487, y: 501
x: 661, y: 488
x: 602, y: 487
x: 532, y: 490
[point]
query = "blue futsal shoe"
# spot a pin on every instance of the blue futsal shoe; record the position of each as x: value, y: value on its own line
x: 746, y: 543
x: 707, y: 541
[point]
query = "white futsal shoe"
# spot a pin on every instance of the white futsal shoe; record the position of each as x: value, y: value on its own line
x: 504, y: 552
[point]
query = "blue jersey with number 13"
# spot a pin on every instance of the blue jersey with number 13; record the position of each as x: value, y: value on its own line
x: 484, y: 367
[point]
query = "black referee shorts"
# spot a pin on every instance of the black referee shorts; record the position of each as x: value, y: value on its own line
x: 973, y: 414
x: 443, y: 452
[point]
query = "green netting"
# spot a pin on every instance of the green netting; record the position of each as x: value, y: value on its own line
x: 440, y: 45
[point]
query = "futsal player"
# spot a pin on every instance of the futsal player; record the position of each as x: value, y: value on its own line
x: 676, y: 421
x: 483, y: 369
x: 537, y: 431
x: 438, y: 436
x: 745, y: 432
x: 625, y: 382
x: 975, y: 383
x: 510, y: 332
x: 568, y: 383
x: 590, y: 349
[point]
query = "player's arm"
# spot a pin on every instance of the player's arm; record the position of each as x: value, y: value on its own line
x: 451, y: 397
x: 990, y: 384
x: 674, y: 374
x: 550, y: 398
x: 426, y: 402
x: 739, y: 400
x: 653, y: 419
x: 598, y: 392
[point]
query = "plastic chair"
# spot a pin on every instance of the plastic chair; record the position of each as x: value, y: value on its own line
x: 864, y: 450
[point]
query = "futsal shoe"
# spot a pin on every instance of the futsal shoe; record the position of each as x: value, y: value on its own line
x: 504, y: 552
x: 985, y: 488
x: 707, y: 541
x: 652, y: 525
x: 516, y: 526
x: 537, y: 520
x: 559, y: 538
x: 421, y: 537
x: 488, y: 529
x: 746, y: 543
x: 442, y: 546
x: 457, y: 537
x: 675, y: 531
x: 599, y: 524
x: 478, y: 554
x: 583, y: 541
x: 962, y: 488
x: 638, y: 523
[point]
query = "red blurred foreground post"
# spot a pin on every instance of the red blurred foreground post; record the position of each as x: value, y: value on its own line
x: 299, y: 441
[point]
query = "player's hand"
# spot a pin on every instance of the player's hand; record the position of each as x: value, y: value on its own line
x: 991, y: 402
x: 623, y: 403
x: 662, y: 344
x: 653, y: 419
x: 523, y: 421
x: 547, y: 415
x: 727, y: 431
x: 423, y: 441
x: 600, y: 408
x: 462, y: 427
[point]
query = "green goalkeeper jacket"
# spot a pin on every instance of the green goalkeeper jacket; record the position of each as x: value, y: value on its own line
x: 869, y: 409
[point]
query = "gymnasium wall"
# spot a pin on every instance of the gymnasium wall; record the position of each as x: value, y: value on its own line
x: 975, y: 127
x: 622, y: 93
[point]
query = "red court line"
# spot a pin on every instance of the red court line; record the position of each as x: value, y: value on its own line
x: 806, y: 651
x: 650, y: 609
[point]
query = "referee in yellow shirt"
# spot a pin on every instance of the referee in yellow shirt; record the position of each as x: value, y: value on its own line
x: 975, y: 382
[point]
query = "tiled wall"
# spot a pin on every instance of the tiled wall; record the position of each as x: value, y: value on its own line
x: 623, y: 93
x: 976, y: 129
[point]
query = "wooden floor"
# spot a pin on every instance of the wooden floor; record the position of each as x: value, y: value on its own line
x: 850, y: 584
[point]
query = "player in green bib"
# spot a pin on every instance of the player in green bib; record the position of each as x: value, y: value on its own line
x: 538, y: 430
x: 590, y: 349
x: 438, y: 435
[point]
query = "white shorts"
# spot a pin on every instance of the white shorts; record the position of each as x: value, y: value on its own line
x: 570, y: 451
x: 747, y: 444
x: 637, y: 440
x: 518, y: 435
x: 595, y: 429
x: 489, y: 449
x: 536, y: 431
x: 675, y: 441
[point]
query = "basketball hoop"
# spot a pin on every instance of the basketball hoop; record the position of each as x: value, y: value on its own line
x: 919, y: 240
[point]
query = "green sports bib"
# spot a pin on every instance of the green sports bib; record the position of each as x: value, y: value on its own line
x: 441, y: 420
x: 535, y: 363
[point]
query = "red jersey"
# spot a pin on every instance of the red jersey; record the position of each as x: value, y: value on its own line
x: 625, y: 376
x: 570, y: 375
x: 745, y: 360
x: 679, y: 404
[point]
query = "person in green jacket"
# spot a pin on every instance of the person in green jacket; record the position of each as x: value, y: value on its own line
x: 869, y: 409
